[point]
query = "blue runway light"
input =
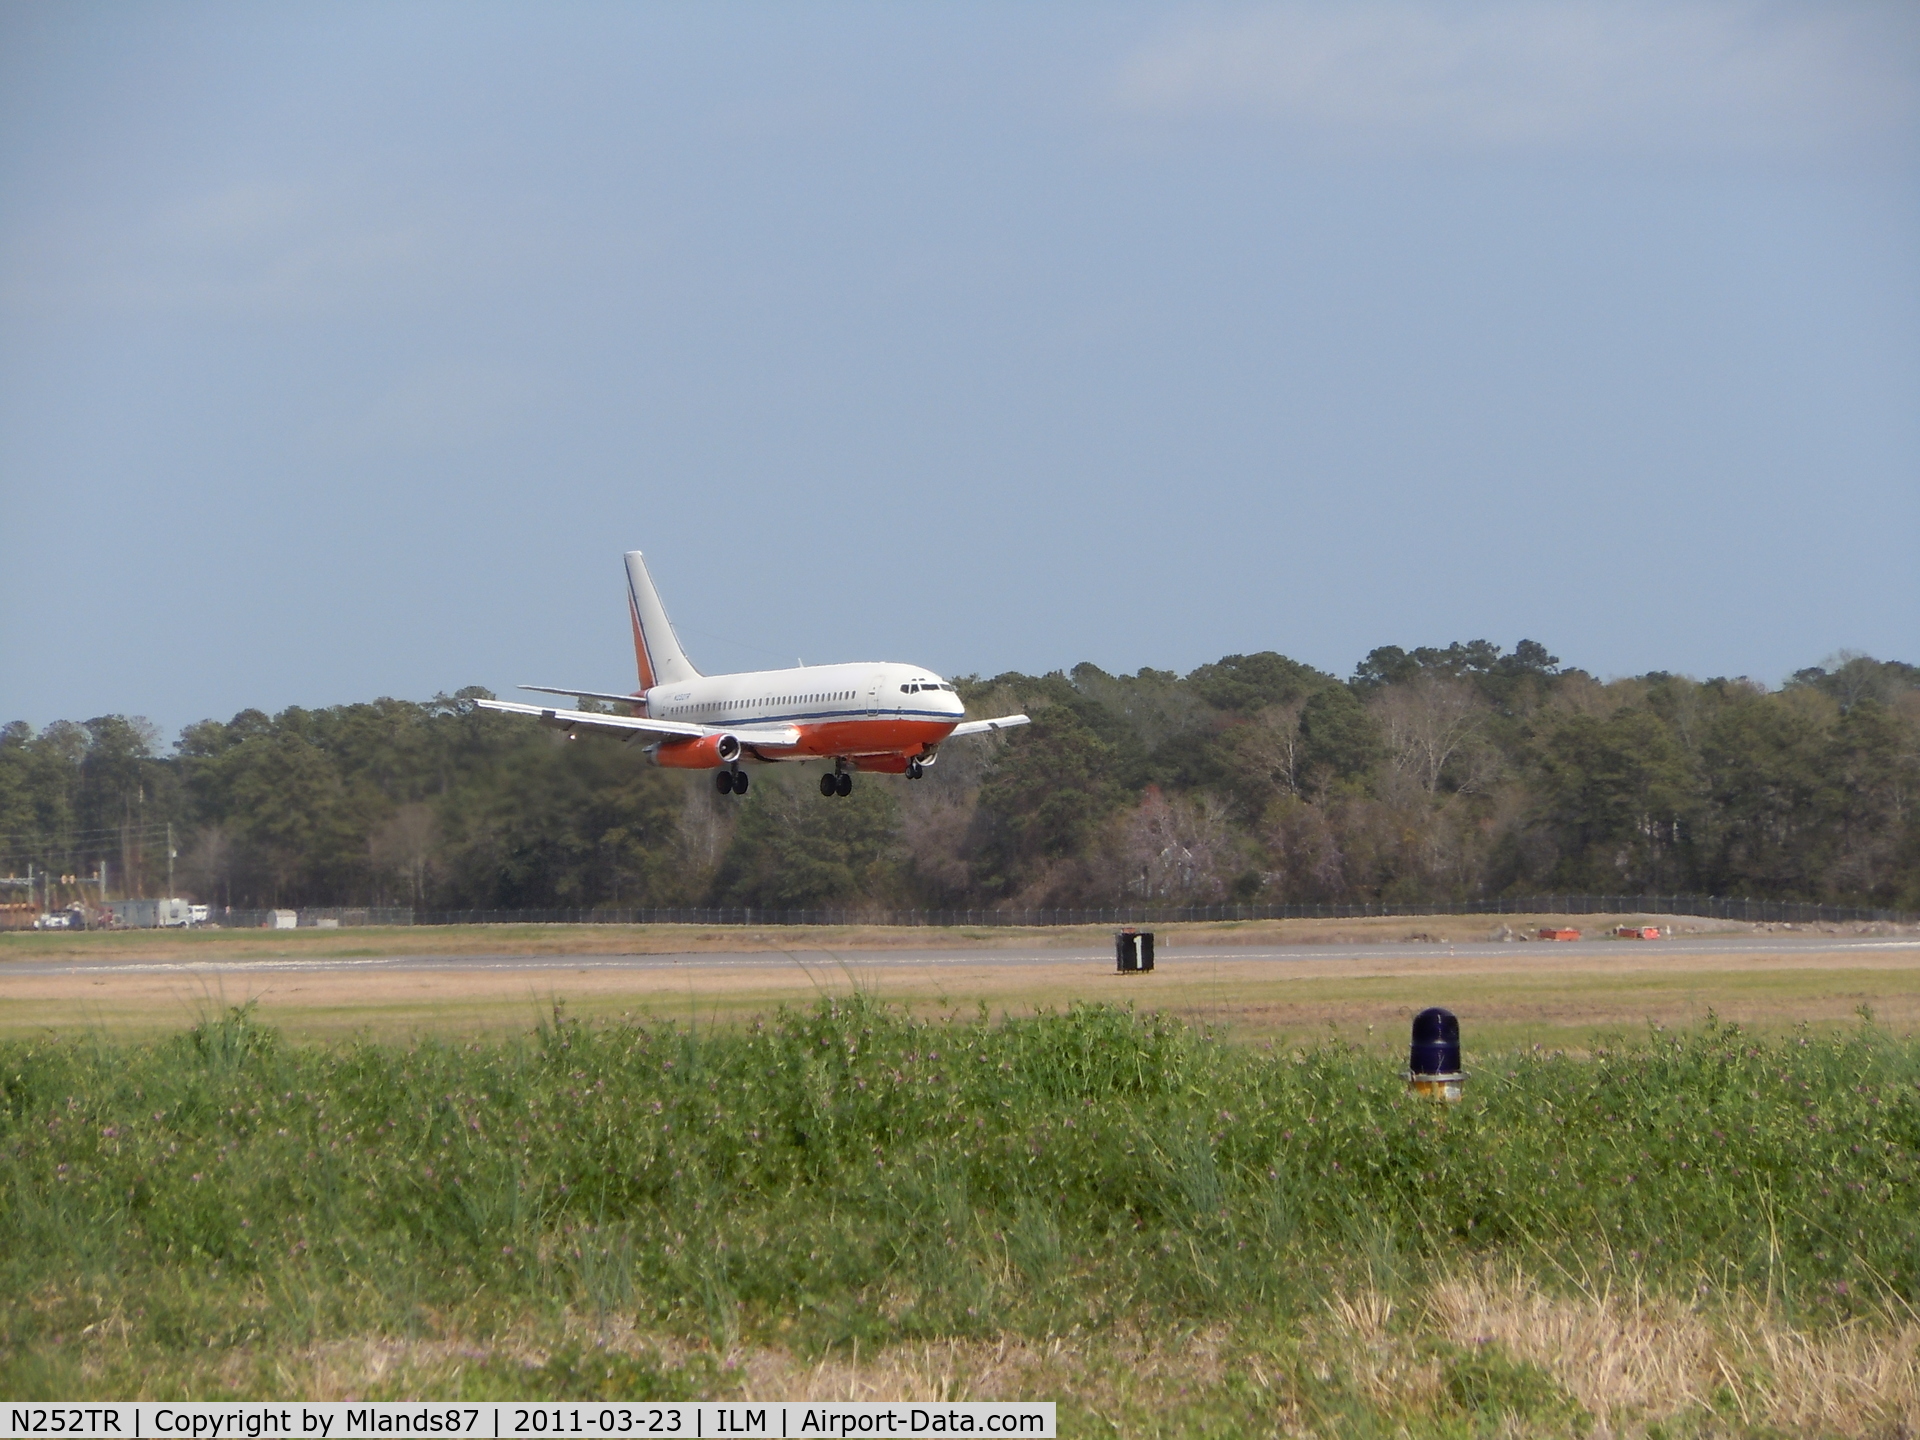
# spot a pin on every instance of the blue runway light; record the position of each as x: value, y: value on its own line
x: 1433, y: 1063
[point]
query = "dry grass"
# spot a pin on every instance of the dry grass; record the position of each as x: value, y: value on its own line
x: 1630, y: 1358
x: 1113, y: 1373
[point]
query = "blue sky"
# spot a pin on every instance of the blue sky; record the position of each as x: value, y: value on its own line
x: 343, y: 349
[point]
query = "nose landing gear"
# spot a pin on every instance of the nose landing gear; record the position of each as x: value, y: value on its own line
x: 837, y: 783
x: 730, y: 782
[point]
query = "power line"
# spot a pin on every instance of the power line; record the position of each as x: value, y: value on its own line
x: 95, y: 843
x: 113, y: 832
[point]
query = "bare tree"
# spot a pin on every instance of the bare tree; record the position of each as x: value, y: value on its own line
x: 1268, y: 749
x: 404, y: 846
x: 1175, y: 849
x: 1306, y: 850
x: 1582, y: 695
x: 706, y: 826
x: 1426, y: 723
x: 206, y: 869
x: 1853, y: 676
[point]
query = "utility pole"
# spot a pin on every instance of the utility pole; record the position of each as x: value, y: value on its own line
x: 171, y: 852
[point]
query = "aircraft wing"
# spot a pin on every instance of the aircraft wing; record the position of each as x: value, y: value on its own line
x: 977, y: 727
x: 623, y: 725
x: 628, y: 726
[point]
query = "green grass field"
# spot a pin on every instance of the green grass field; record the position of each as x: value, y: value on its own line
x: 1702, y: 1233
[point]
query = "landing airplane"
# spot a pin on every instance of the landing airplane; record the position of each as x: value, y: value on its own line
x: 886, y: 718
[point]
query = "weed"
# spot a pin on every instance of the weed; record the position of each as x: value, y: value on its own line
x: 175, y: 1215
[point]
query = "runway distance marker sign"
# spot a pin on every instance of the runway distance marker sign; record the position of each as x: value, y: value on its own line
x: 561, y: 1420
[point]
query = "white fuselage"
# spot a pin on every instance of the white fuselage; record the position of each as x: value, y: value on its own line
x: 837, y: 709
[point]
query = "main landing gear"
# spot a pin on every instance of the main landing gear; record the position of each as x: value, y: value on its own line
x: 915, y: 770
x: 839, y: 783
x: 730, y: 782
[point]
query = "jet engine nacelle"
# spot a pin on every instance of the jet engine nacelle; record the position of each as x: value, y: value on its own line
x: 709, y: 752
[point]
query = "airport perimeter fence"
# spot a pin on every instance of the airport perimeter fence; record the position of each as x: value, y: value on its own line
x: 1705, y: 906
x: 342, y: 915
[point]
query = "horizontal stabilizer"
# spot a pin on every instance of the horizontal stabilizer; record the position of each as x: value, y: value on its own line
x: 980, y: 727
x: 587, y: 694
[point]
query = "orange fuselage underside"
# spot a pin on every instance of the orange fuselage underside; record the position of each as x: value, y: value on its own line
x: 872, y: 742
x: 866, y: 735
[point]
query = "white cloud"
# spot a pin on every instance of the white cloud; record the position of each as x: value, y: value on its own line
x: 1536, y: 75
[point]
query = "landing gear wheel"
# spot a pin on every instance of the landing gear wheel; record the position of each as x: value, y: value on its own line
x: 843, y: 785
x: 829, y: 785
x: 914, y: 772
x: 723, y: 781
x: 739, y: 782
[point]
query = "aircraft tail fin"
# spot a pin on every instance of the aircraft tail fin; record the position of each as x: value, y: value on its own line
x: 656, y: 649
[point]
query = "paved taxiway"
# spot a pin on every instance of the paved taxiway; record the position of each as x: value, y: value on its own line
x: 1595, y: 952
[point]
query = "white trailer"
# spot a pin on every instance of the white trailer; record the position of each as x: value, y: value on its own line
x: 172, y: 913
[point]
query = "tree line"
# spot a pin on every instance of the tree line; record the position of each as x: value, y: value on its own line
x: 1430, y: 774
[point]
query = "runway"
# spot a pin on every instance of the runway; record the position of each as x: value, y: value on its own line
x: 1595, y: 952
x: 1517, y: 992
